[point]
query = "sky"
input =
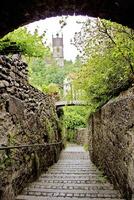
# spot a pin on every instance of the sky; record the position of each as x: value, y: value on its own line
x: 52, y: 27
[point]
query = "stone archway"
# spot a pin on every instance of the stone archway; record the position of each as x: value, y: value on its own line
x: 17, y: 13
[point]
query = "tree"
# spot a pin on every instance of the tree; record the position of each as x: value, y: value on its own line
x: 28, y: 44
x: 108, y: 54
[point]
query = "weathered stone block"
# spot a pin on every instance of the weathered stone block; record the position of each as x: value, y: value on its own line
x: 82, y: 136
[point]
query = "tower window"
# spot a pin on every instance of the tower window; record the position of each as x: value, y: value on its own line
x: 58, y: 49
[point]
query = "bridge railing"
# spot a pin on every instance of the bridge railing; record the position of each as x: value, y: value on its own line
x: 71, y: 103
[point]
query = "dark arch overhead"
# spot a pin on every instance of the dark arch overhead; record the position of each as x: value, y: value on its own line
x: 15, y: 13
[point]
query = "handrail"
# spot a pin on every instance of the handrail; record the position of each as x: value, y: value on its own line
x: 4, y: 147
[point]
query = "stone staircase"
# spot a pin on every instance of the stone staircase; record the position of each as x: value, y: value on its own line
x: 73, y: 177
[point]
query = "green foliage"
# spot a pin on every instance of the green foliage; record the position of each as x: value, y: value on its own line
x: 49, y: 78
x: 49, y: 129
x: 102, y: 178
x: 75, y: 117
x: 71, y: 136
x: 11, y: 138
x: 23, y: 41
x: 42, y: 74
x: 51, y: 88
x: 108, y: 54
x: 86, y: 147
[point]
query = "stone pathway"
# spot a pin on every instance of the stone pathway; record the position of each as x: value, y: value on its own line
x: 73, y: 177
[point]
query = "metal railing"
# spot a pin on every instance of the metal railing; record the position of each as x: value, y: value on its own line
x: 4, y: 147
x: 13, y: 161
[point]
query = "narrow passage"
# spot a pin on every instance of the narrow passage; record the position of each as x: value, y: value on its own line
x: 73, y: 177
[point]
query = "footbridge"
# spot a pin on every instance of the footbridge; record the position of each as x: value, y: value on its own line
x: 59, y: 104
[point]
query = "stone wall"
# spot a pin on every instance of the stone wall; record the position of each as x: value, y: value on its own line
x: 27, y: 116
x: 82, y: 136
x: 111, y: 141
x: 14, y: 14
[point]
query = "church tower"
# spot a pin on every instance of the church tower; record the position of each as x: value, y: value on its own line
x: 58, y: 54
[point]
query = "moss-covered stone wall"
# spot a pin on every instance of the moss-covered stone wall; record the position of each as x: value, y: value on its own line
x: 111, y: 141
x: 27, y: 116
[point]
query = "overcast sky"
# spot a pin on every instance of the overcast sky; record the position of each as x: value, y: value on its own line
x: 52, y: 26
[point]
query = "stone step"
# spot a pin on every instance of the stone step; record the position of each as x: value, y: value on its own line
x: 76, y: 185
x: 73, y: 168
x: 39, y: 191
x: 79, y: 171
x: 106, y: 186
x: 70, y: 176
x: 71, y: 181
x: 74, y: 173
x: 25, y: 197
x: 73, y: 165
x: 72, y: 194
